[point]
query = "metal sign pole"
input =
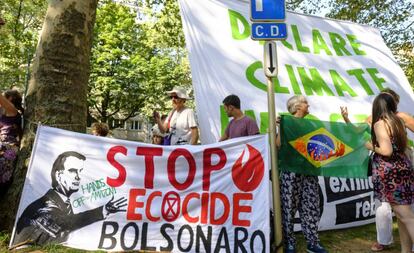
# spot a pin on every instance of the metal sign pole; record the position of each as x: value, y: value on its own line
x: 267, y: 18
x: 270, y: 67
x: 277, y: 226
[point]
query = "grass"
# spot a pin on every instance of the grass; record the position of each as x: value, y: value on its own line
x: 356, y: 240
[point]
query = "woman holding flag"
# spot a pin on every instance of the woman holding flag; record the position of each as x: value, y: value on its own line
x: 300, y: 192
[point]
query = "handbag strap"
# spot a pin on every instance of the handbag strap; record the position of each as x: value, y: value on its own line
x: 169, y: 120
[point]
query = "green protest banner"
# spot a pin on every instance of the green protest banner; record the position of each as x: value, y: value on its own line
x: 321, y: 148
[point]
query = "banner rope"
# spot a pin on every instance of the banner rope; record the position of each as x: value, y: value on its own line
x: 50, y: 124
x: 32, y: 126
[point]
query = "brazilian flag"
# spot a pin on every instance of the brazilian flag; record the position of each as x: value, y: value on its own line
x: 321, y: 148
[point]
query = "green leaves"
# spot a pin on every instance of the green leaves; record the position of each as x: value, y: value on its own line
x: 135, y: 59
x: 18, y: 38
x: 139, y: 50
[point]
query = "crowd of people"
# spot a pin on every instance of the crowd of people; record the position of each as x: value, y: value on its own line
x: 392, y: 169
x: 393, y: 174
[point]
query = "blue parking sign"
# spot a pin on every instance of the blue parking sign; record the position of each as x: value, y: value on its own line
x: 267, y: 10
x: 268, y: 31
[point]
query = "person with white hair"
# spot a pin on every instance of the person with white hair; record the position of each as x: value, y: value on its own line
x: 300, y: 193
x: 180, y: 125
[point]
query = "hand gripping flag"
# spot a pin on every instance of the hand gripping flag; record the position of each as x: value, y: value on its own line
x: 320, y: 148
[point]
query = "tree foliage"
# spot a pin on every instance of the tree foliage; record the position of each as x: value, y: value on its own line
x: 135, y: 59
x: 18, y: 38
x: 57, y: 90
x: 307, y: 6
x: 117, y: 54
x: 139, y: 47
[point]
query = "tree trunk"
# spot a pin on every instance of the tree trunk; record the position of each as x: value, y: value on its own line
x: 58, y: 87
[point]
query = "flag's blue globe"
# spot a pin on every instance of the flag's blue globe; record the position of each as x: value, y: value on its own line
x: 320, y: 147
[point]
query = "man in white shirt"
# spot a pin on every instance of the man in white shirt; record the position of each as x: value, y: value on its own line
x: 180, y: 124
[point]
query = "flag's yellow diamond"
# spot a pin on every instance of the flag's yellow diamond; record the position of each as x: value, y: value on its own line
x: 320, y: 147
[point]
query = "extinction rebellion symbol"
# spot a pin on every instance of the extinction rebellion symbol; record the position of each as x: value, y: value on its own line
x: 171, y: 206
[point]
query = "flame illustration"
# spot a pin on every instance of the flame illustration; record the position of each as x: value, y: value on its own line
x: 248, y: 177
x: 300, y: 146
x: 339, y: 151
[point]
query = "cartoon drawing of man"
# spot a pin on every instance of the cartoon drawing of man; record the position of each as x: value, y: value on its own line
x: 51, y: 218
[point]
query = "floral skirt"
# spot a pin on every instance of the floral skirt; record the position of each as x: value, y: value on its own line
x: 393, y: 179
x: 8, y: 154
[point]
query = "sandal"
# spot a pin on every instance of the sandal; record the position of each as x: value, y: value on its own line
x: 378, y: 247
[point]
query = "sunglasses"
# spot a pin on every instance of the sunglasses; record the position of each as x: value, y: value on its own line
x: 174, y: 97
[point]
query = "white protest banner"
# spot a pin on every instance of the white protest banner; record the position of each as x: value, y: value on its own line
x: 98, y: 193
x: 333, y: 63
